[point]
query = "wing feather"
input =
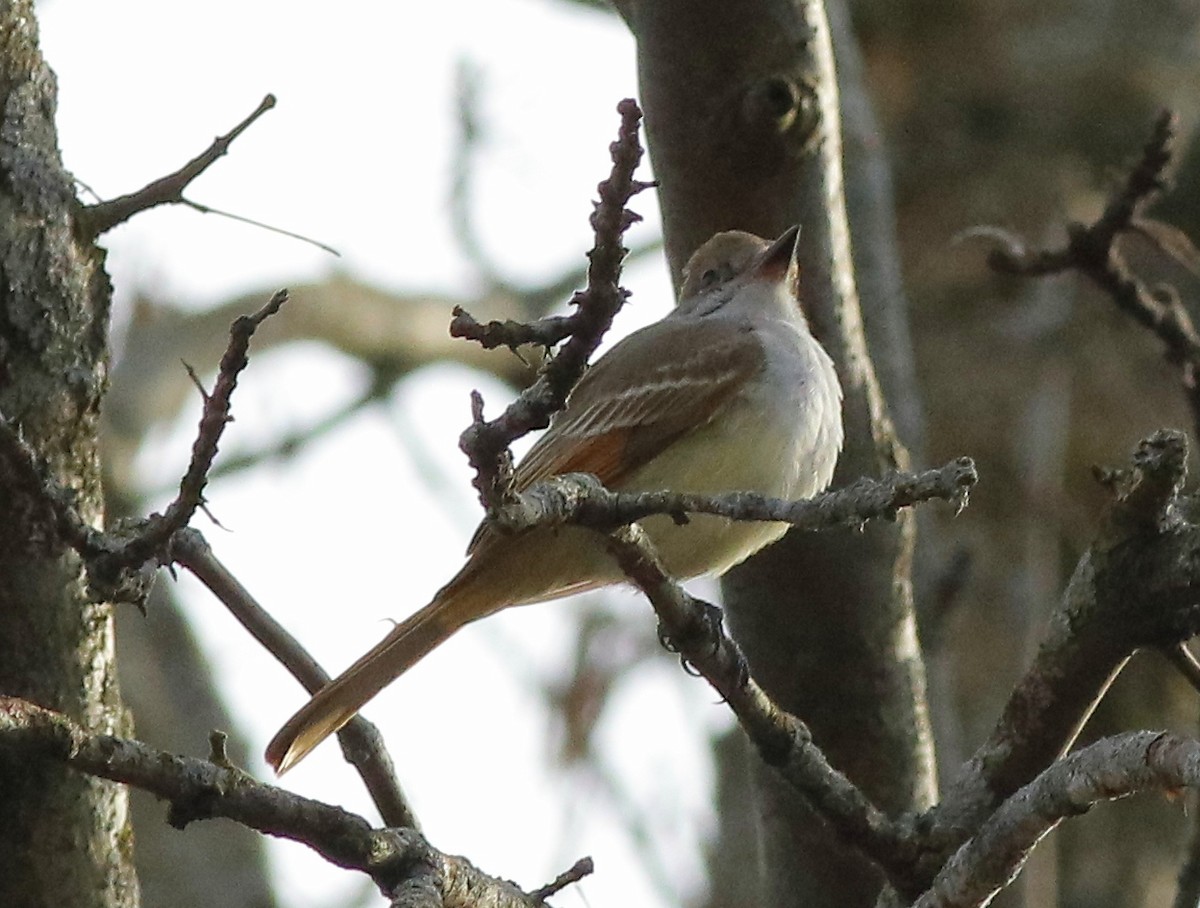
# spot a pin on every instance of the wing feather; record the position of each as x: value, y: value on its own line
x: 651, y: 389
x: 647, y: 392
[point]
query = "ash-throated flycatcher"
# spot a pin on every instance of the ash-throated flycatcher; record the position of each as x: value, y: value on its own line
x: 729, y: 392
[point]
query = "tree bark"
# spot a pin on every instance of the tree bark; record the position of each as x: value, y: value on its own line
x: 742, y: 119
x: 65, y: 838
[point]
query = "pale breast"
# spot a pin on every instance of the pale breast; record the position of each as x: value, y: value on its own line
x: 780, y: 437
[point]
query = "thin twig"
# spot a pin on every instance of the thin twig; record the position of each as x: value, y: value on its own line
x: 1184, y: 661
x: 158, y: 529
x: 94, y: 220
x: 486, y: 443
x: 241, y: 218
x: 545, y: 332
x: 121, y: 562
x: 362, y: 744
x: 1093, y: 251
x: 576, y: 872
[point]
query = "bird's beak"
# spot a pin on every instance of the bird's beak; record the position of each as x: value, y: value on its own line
x: 778, y: 263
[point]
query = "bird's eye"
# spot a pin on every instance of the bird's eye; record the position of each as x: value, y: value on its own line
x: 710, y: 278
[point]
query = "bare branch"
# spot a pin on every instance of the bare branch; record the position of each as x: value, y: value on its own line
x: 576, y: 872
x: 695, y: 630
x: 404, y: 866
x: 486, y: 443
x: 1092, y: 250
x: 580, y: 499
x: 121, y: 562
x: 545, y: 332
x: 152, y: 538
x: 1136, y: 586
x: 94, y: 220
x: 1104, y: 771
x: 362, y: 744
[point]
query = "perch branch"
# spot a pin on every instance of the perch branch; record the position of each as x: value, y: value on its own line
x: 580, y: 499
x: 695, y: 630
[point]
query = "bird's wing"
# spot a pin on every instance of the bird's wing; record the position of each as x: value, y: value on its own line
x: 640, y: 397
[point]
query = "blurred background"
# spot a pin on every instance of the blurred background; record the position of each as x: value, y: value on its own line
x: 450, y: 153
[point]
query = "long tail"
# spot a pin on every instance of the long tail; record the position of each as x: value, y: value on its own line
x: 339, y: 700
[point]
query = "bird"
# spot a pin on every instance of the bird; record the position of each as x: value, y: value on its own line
x: 728, y: 392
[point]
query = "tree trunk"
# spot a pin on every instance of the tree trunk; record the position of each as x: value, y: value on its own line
x: 742, y: 119
x: 65, y: 838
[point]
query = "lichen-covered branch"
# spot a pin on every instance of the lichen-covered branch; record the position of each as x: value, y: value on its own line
x: 1104, y: 771
x: 1137, y: 586
x: 580, y: 499
x: 404, y: 866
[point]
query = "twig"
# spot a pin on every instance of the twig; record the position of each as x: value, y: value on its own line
x: 545, y: 332
x: 241, y: 218
x: 1106, y: 770
x: 576, y: 872
x: 535, y: 300
x: 93, y: 220
x: 401, y: 862
x: 151, y: 539
x: 1184, y: 661
x: 1092, y: 250
x: 580, y: 499
x: 362, y: 744
x: 486, y: 443
x: 122, y: 561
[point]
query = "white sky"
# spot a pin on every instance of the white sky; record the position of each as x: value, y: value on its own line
x: 356, y: 154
